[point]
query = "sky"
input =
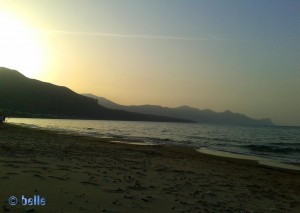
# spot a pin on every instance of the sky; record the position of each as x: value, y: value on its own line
x: 211, y: 54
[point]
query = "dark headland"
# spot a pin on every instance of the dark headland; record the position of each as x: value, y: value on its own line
x: 24, y: 97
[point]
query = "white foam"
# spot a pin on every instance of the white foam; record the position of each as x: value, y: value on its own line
x: 260, y: 160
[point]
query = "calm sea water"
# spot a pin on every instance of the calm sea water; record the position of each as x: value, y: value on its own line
x: 281, y: 143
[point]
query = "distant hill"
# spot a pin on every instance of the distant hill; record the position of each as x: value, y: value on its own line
x: 186, y: 112
x: 24, y: 97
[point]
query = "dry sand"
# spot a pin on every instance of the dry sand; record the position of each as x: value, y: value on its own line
x: 83, y: 174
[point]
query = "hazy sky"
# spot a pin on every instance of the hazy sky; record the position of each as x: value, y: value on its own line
x: 241, y: 55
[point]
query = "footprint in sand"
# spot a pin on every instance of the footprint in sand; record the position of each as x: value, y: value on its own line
x: 89, y: 183
x: 59, y: 178
x: 12, y: 173
x: 38, y: 176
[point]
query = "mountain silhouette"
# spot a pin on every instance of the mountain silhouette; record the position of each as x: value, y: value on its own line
x: 24, y: 97
x: 185, y: 112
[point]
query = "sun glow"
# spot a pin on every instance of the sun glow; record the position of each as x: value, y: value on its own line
x: 19, y: 47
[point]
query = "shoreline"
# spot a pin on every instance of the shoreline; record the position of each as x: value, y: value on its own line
x: 82, y: 173
x: 269, y: 162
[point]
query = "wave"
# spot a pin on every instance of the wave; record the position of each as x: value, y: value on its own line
x: 286, y: 144
x: 275, y: 149
x: 230, y: 140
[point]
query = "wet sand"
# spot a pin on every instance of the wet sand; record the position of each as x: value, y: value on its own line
x: 83, y: 174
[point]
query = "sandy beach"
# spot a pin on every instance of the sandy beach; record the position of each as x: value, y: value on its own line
x: 84, y: 174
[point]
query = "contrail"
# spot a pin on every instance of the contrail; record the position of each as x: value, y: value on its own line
x: 130, y: 36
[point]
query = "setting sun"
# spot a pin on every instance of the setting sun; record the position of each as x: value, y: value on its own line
x: 19, y: 48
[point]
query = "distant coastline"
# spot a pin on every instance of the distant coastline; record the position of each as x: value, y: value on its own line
x: 185, y: 112
x: 24, y: 97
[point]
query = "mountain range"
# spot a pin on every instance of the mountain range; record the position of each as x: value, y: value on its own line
x: 24, y: 97
x: 185, y: 112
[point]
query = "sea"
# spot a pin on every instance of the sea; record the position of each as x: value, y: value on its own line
x: 280, y: 143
